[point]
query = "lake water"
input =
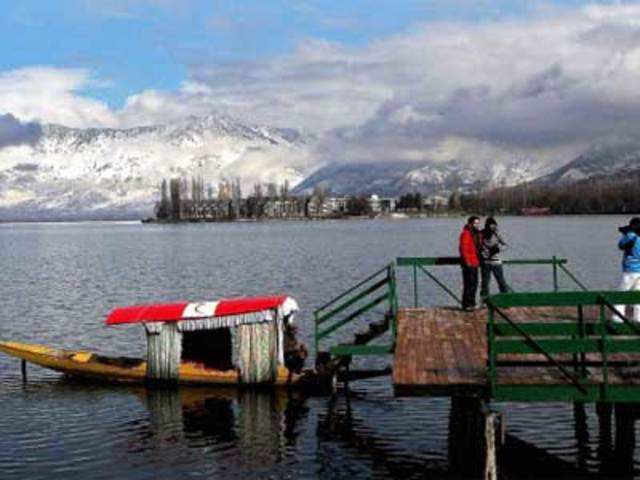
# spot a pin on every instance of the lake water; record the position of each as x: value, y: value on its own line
x: 58, y: 282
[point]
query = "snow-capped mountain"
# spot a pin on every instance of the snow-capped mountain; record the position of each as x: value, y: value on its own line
x: 116, y: 173
x: 93, y: 173
x: 396, y: 178
x: 598, y: 161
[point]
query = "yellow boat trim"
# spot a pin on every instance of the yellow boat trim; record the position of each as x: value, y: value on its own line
x: 87, y: 364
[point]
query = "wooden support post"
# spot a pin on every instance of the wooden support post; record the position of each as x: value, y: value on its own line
x: 475, y: 435
x: 23, y: 369
x: 581, y: 434
x: 605, y: 444
x: 415, y: 286
x: 465, y: 437
x: 346, y: 381
x: 491, y: 460
x: 625, y: 438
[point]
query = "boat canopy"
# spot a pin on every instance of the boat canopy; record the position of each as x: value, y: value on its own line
x: 208, y: 315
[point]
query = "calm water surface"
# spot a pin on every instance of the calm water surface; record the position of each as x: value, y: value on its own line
x: 58, y: 281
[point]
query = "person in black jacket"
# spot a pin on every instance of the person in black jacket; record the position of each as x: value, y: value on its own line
x: 491, y: 245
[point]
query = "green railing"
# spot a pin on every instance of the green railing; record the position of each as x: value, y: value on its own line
x: 563, y: 344
x: 379, y: 289
x: 422, y: 265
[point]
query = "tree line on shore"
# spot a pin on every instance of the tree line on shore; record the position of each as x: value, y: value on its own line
x: 184, y: 200
x: 180, y: 201
x: 595, y: 195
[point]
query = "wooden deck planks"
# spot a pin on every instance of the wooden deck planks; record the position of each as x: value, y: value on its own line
x: 444, y: 348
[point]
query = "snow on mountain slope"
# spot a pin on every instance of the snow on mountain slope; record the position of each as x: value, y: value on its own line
x: 111, y: 173
x: 601, y: 160
x: 93, y: 173
x: 397, y: 178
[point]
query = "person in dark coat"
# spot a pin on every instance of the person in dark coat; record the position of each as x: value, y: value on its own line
x: 491, y: 245
x: 470, y: 261
x: 295, y: 352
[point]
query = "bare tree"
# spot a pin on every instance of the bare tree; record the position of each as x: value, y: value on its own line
x: 272, y: 190
x: 284, y: 189
x: 163, y: 209
x: 175, y: 188
x: 257, y: 191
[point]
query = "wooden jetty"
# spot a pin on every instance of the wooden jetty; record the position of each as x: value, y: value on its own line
x: 445, y: 351
x: 527, y: 346
x: 544, y: 346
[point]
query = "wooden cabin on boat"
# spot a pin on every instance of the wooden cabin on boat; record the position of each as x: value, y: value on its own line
x: 246, y: 335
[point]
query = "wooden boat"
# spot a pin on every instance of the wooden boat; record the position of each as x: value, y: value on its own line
x: 125, y: 369
x: 190, y: 343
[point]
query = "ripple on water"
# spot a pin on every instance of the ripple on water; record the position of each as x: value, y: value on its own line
x: 66, y: 278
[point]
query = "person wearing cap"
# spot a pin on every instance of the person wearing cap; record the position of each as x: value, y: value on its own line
x: 470, y: 261
x: 630, y: 246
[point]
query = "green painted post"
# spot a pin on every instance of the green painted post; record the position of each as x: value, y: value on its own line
x: 415, y: 286
x: 555, y: 274
x: 492, y: 352
x: 315, y: 337
x: 603, y: 353
x: 582, y: 334
x: 392, y: 301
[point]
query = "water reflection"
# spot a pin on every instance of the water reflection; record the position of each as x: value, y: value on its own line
x: 595, y: 456
x: 256, y: 429
x: 344, y: 435
x: 65, y: 278
x: 231, y: 433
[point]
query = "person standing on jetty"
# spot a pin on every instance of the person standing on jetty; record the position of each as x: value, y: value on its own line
x: 470, y: 261
x: 490, y: 247
x: 630, y: 245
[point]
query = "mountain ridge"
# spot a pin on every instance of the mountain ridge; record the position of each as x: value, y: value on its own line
x: 115, y: 173
x: 98, y: 173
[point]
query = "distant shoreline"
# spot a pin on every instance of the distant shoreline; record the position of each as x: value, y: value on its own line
x: 138, y: 220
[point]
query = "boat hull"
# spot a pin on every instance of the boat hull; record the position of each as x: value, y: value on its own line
x: 127, y: 370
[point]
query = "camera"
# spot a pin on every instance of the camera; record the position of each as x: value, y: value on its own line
x: 624, y: 230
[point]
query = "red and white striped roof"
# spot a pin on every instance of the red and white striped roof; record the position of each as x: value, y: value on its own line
x: 177, y: 312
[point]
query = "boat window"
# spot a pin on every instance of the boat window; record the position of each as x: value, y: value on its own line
x: 212, y: 348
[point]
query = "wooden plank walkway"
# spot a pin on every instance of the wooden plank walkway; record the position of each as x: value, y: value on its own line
x: 440, y: 350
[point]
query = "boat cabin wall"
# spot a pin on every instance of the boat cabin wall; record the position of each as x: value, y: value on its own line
x: 164, y: 351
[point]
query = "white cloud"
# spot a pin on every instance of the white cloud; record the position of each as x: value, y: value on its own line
x: 52, y: 95
x: 543, y: 85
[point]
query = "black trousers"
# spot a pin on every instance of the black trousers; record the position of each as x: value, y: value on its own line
x: 498, y: 274
x: 469, y: 286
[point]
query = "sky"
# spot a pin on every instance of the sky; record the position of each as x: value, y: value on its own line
x: 388, y: 80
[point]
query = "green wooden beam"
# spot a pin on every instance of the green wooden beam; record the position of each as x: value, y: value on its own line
x: 568, y: 346
x: 443, y: 261
x: 529, y: 342
x: 566, y: 393
x: 426, y: 261
x: 348, y: 350
x: 326, y: 316
x: 564, y: 299
x: 352, y: 316
x: 356, y: 286
x: 535, y: 261
x: 562, y: 329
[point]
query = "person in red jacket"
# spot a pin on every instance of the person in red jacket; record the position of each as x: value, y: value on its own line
x: 470, y: 261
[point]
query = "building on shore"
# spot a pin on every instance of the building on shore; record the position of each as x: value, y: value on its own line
x: 178, y: 204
